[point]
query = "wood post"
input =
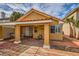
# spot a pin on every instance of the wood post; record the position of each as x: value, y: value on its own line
x: 17, y: 34
x: 46, y: 36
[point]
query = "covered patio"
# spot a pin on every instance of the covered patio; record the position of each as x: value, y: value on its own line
x: 18, y: 31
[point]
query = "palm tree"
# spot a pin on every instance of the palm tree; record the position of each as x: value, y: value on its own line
x: 73, y: 25
x: 15, y: 15
x: 77, y: 26
x: 69, y: 21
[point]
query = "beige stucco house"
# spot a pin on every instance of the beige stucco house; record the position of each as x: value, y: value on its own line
x: 66, y: 27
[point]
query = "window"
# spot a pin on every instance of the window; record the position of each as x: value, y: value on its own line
x: 52, y: 29
x: 56, y: 28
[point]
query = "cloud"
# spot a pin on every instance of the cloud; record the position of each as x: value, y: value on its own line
x: 16, y: 7
x: 49, y: 8
x: 55, y: 9
x: 5, y: 7
x: 66, y: 10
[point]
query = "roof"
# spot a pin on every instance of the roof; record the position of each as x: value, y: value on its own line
x: 4, y: 18
x: 71, y: 12
x: 21, y: 19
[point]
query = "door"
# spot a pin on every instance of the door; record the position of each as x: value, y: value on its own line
x: 27, y: 31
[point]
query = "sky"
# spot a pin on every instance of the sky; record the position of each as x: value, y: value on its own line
x: 59, y: 10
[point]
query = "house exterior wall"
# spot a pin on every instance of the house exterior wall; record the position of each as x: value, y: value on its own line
x: 77, y: 30
x: 66, y: 29
x: 40, y: 31
x: 55, y: 36
x: 7, y: 31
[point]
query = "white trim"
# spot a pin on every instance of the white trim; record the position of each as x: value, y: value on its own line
x: 31, y: 22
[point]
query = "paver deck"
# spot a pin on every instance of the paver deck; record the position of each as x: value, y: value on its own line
x: 30, y: 48
x: 66, y: 43
x: 38, y: 51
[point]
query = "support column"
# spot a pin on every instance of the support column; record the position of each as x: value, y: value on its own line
x: 17, y: 34
x: 1, y: 33
x: 46, y: 36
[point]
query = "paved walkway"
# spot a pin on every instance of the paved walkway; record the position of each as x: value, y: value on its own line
x: 39, y: 51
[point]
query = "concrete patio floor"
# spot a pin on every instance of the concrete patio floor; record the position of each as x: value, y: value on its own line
x: 30, y: 47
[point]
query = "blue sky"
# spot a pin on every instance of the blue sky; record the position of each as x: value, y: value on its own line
x: 58, y: 10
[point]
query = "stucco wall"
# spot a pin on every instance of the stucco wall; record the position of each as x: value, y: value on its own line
x: 66, y: 29
x: 7, y: 31
x: 40, y: 31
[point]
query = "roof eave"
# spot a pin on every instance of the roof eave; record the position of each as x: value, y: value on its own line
x: 31, y: 22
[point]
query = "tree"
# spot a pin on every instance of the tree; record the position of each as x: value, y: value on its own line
x: 73, y: 25
x: 77, y: 26
x: 15, y: 15
x: 69, y: 21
